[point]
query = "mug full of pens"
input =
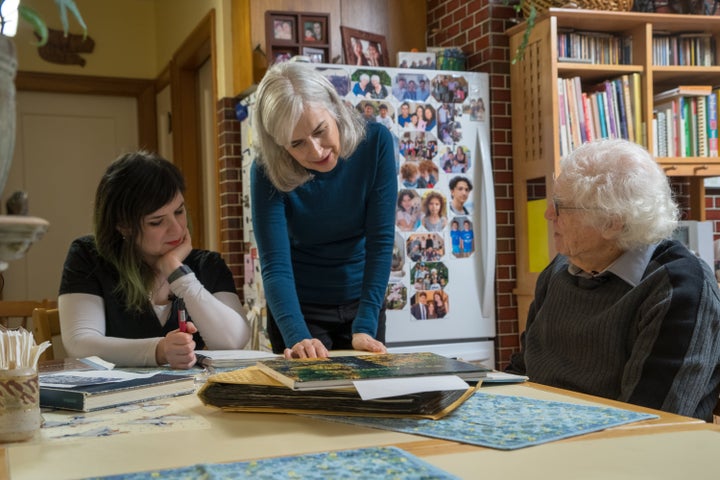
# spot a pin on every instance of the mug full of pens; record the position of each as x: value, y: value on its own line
x: 19, y: 389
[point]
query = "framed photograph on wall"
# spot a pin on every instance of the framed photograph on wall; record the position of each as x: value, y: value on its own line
x: 316, y: 55
x: 364, y: 48
x: 282, y: 54
x: 314, y: 29
x: 297, y: 33
x: 283, y: 29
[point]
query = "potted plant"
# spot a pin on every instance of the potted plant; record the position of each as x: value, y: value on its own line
x: 18, y: 233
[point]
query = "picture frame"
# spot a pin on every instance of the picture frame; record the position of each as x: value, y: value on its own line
x: 372, y: 46
x: 282, y: 55
x: 314, y: 29
x: 316, y: 55
x: 289, y: 33
x: 282, y: 29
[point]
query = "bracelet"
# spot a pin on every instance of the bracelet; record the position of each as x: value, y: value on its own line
x: 181, y: 271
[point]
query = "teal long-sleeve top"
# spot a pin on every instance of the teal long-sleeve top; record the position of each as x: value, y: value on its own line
x: 330, y: 240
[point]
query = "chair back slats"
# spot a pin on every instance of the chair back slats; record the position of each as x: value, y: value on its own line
x: 21, y: 310
x: 46, y: 325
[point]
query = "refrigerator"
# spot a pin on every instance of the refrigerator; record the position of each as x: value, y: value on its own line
x: 440, y: 295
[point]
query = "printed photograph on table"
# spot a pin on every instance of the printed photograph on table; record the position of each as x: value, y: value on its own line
x: 364, y: 48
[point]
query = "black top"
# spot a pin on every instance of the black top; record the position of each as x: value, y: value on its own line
x: 86, y: 272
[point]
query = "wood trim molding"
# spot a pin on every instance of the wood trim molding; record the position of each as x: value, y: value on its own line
x: 198, y: 48
x: 142, y: 90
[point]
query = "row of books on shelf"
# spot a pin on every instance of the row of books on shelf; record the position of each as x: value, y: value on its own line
x: 594, y: 47
x: 685, y: 49
x: 611, y: 109
x: 685, y: 122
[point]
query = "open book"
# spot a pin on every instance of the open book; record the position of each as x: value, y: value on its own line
x: 250, y: 390
x: 320, y: 373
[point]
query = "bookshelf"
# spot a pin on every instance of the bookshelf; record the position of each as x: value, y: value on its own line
x: 536, y: 120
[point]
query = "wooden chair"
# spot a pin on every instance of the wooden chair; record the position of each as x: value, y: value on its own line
x: 46, y: 325
x: 21, y: 309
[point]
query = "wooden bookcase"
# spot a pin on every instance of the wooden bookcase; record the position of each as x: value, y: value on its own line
x: 535, y: 111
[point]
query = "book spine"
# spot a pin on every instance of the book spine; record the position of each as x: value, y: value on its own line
x: 712, y: 130
x: 629, y: 112
x: 597, y: 129
x: 620, y: 104
x: 51, y: 398
x: 670, y: 131
x: 686, y: 127
x: 702, y: 143
x: 577, y: 87
x: 610, y: 111
x: 656, y: 144
x: 661, y: 150
x: 564, y: 149
x: 600, y: 97
x: 573, y: 114
x: 587, y: 115
x: 635, y: 82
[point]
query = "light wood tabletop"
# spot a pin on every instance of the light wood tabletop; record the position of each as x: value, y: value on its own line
x: 214, y: 436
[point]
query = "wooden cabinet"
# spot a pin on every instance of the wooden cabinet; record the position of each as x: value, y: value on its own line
x: 535, y: 111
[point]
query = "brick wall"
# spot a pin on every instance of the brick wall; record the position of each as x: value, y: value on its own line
x: 229, y: 170
x: 478, y: 28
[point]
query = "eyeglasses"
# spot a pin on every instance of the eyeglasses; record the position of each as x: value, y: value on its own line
x: 557, y: 207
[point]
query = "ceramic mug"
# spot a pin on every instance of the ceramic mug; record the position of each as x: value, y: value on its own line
x: 19, y: 404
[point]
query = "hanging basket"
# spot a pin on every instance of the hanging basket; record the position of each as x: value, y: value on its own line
x: 608, y: 5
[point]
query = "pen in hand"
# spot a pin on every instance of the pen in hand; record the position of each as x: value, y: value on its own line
x: 182, y: 316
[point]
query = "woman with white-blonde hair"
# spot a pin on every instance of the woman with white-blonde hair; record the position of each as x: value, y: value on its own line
x: 324, y: 187
x: 623, y: 311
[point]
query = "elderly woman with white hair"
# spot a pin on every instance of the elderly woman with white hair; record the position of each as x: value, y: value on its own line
x: 324, y: 188
x: 623, y: 311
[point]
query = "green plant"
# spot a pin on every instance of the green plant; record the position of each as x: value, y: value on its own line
x: 530, y: 24
x: 37, y: 23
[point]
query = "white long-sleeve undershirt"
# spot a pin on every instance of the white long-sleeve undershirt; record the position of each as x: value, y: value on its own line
x: 217, y: 317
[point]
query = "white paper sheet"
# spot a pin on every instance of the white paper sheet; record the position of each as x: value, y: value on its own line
x: 383, y: 388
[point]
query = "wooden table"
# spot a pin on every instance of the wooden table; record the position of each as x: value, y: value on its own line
x: 670, y: 446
